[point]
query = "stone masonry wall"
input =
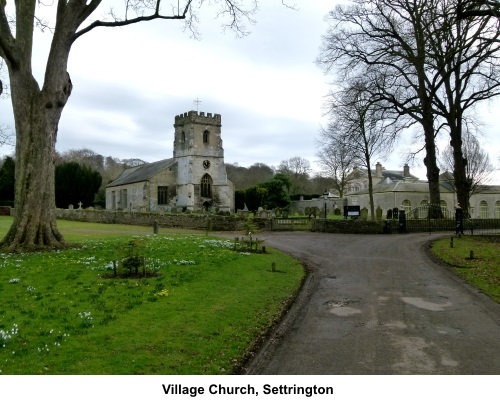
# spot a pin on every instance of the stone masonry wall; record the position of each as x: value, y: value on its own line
x: 187, y: 221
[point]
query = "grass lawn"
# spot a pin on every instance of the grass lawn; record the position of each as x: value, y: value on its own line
x: 483, y: 271
x: 62, y: 313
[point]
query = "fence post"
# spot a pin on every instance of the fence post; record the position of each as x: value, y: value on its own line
x: 459, y: 221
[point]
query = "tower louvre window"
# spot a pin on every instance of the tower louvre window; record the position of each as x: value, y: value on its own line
x: 206, y: 136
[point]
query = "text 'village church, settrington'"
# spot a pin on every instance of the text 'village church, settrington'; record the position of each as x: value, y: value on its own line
x: 194, y: 179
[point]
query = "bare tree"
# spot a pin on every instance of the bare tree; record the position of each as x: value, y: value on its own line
x: 428, y: 64
x: 298, y: 170
x: 38, y: 107
x: 335, y: 156
x: 466, y: 55
x: 385, y: 40
x: 478, y: 8
x: 478, y: 165
x: 367, y: 125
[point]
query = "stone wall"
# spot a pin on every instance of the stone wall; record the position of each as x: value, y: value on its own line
x: 187, y: 221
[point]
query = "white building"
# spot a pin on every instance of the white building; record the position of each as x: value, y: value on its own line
x: 394, y: 189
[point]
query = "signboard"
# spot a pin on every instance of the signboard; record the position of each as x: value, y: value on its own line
x: 352, y: 211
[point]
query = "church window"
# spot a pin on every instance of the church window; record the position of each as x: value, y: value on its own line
x: 406, y: 205
x: 183, y: 137
x: 206, y: 136
x: 113, y: 200
x: 497, y: 210
x: 162, y: 195
x: 483, y: 209
x: 206, y: 186
x: 123, y: 198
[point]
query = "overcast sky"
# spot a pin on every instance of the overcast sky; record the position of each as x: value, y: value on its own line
x: 129, y: 83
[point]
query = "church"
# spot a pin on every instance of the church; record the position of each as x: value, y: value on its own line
x: 193, y: 179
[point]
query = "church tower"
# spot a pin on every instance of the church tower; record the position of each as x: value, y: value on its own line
x: 201, y: 174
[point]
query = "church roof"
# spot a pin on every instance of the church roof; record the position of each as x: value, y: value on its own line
x: 142, y: 173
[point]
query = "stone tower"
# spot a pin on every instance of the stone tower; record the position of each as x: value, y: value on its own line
x: 201, y: 174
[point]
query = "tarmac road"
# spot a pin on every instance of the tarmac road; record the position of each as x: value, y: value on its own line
x: 379, y: 304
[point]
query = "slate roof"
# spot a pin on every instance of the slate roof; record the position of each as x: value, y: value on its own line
x: 400, y: 187
x: 142, y: 173
x: 391, y: 174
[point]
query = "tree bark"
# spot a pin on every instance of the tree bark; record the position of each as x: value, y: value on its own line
x: 37, y: 115
x: 370, y: 191
x: 432, y: 172
x: 462, y: 183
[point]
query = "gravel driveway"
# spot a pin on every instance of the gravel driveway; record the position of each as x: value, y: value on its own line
x: 378, y: 304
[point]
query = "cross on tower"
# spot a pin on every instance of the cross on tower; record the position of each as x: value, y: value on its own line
x: 197, y: 102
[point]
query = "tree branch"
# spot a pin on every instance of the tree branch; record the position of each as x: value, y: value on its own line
x: 7, y: 40
x: 121, y: 23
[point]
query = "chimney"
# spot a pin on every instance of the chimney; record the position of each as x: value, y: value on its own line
x: 406, y: 171
x: 378, y: 170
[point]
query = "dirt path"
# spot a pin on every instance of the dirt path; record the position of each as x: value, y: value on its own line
x: 378, y: 304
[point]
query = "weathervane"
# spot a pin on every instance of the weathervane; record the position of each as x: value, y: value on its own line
x: 197, y: 102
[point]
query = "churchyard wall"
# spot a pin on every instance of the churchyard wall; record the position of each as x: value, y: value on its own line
x: 167, y: 220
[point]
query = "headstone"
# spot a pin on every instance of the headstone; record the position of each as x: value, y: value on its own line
x: 70, y: 207
x: 80, y: 205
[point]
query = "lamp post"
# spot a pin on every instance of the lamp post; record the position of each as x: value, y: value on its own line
x: 325, y: 196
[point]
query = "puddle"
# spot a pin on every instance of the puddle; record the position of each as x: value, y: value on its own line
x: 422, y: 304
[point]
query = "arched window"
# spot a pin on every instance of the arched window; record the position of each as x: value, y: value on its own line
x: 206, y: 186
x: 406, y: 205
x: 483, y: 209
x: 497, y: 210
x: 424, y: 209
x: 183, y: 137
x: 206, y: 136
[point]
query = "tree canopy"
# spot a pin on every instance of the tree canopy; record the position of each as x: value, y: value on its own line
x: 431, y: 67
x: 76, y: 183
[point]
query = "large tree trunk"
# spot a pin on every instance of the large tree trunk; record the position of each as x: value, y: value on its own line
x: 370, y: 189
x: 37, y: 114
x: 462, y: 183
x: 430, y: 162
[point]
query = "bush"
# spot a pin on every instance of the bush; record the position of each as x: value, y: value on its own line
x: 131, y: 256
